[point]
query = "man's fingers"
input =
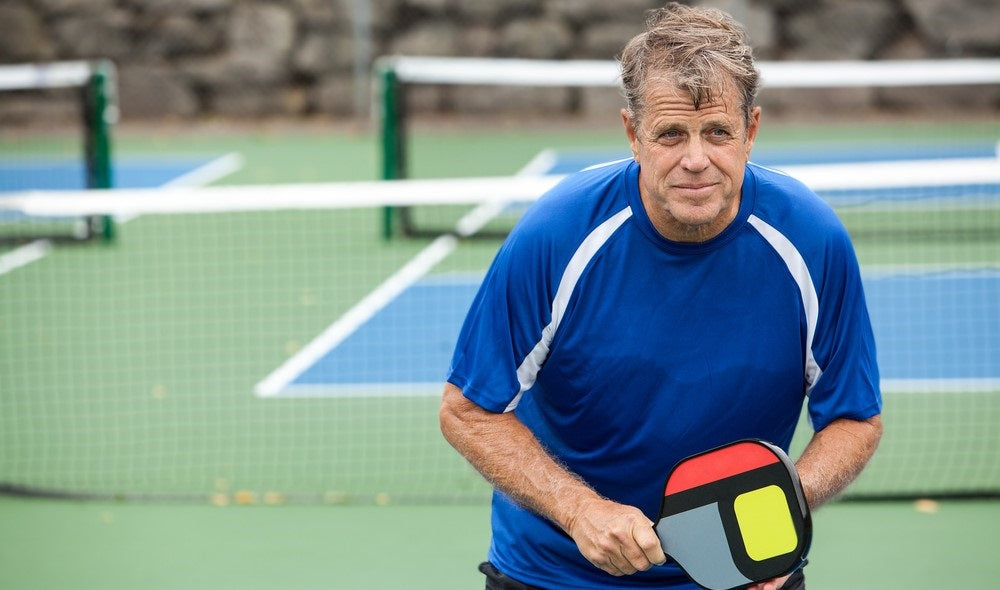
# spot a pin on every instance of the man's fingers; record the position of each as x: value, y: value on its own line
x: 611, y: 558
x: 638, y: 551
x: 646, y: 539
x: 623, y: 564
x: 611, y: 561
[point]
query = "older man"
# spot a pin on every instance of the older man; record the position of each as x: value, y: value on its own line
x: 648, y: 309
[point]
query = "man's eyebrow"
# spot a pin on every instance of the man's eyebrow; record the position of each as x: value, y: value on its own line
x: 718, y: 121
x: 669, y: 125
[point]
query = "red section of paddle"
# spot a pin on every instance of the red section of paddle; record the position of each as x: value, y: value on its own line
x: 718, y: 464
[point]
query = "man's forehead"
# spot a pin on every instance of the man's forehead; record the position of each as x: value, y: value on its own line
x: 665, y: 89
x: 666, y: 100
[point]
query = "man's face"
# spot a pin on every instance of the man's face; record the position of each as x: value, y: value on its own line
x: 692, y: 161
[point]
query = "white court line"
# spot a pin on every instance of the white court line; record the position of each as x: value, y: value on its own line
x: 210, y: 172
x: 202, y: 175
x: 278, y: 383
x: 364, y: 310
x: 362, y: 390
x: 957, y: 385
x: 24, y: 255
x: 543, y: 162
x: 944, y: 271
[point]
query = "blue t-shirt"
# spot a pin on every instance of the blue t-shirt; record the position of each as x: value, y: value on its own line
x: 624, y: 352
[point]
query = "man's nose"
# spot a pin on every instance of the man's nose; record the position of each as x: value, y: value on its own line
x: 695, y: 157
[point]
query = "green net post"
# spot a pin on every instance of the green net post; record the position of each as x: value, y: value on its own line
x: 100, y: 113
x: 392, y: 137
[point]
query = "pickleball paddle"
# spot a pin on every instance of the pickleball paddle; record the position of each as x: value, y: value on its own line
x: 735, y: 516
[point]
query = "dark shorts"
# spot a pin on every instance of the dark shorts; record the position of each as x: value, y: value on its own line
x: 497, y: 580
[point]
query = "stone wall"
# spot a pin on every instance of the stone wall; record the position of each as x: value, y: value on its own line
x: 253, y: 58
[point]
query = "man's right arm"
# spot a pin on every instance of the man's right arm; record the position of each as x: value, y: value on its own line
x: 618, y: 539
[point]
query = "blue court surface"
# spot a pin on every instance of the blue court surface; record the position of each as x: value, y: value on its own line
x: 408, y: 343
x: 56, y: 174
x: 923, y: 325
x: 935, y: 329
x: 69, y: 174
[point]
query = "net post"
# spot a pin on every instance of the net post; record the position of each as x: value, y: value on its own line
x: 100, y: 113
x: 392, y: 135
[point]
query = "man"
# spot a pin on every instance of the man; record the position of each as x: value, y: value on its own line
x: 649, y: 309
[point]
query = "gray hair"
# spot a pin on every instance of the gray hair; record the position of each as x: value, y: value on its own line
x: 698, y: 49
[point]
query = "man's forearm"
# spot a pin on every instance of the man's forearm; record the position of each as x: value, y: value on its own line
x: 835, y: 456
x: 618, y: 539
x: 510, y: 457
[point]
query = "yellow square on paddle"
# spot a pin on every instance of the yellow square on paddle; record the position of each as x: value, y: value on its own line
x: 765, y: 523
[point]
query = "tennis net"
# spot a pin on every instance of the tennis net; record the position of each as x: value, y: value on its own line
x: 264, y: 344
x: 37, y: 151
x: 933, y: 98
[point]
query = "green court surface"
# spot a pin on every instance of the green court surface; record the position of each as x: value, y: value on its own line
x: 49, y: 544
x: 156, y: 363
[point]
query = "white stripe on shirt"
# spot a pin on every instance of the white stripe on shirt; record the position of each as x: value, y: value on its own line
x: 807, y: 290
x: 591, y: 245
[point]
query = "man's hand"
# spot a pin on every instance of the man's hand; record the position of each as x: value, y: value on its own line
x: 616, y: 538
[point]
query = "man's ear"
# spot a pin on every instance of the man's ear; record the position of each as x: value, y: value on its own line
x: 630, y: 132
x: 753, y: 125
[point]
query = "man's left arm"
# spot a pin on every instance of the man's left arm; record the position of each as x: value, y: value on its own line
x: 830, y: 462
x: 847, y: 390
x: 835, y: 456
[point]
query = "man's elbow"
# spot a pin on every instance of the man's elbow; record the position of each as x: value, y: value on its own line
x: 874, y: 429
x: 865, y: 434
x: 450, y: 412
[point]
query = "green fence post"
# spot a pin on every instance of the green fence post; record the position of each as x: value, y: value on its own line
x: 101, y: 113
x: 392, y: 136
